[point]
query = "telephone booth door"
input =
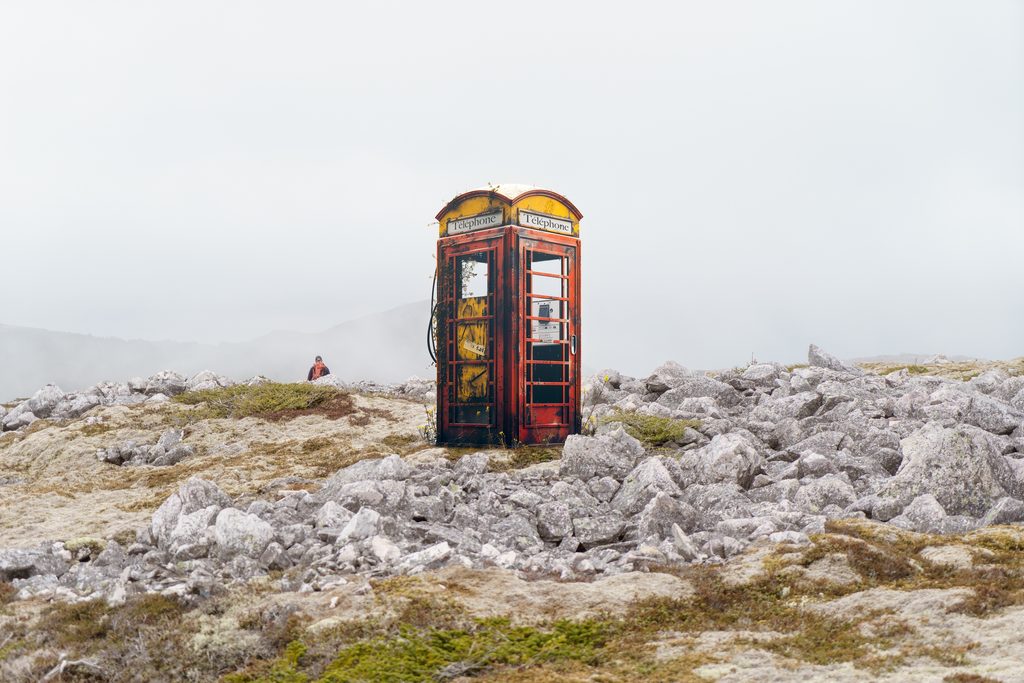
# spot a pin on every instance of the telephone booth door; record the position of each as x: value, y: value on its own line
x: 471, y: 341
x: 548, y: 369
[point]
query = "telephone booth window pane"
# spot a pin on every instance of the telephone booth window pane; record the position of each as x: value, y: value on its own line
x: 544, y: 285
x: 473, y: 276
x: 547, y: 263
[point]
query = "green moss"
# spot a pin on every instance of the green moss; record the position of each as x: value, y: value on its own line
x: 649, y: 429
x: 284, y: 670
x: 415, y: 655
x: 272, y: 401
x: 10, y: 647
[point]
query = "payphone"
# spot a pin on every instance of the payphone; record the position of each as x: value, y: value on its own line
x: 506, y: 325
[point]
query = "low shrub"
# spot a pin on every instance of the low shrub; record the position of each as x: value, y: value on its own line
x: 272, y: 401
x: 650, y: 429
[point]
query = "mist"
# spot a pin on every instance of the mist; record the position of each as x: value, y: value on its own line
x: 753, y: 176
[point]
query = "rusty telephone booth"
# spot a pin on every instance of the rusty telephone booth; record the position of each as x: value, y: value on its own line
x: 507, y: 317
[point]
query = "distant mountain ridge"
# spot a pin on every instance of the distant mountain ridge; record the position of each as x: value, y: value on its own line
x: 387, y: 347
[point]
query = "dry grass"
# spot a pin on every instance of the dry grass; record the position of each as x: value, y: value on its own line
x: 960, y: 370
x: 272, y: 401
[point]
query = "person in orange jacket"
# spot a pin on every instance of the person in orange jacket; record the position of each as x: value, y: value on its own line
x: 318, y: 370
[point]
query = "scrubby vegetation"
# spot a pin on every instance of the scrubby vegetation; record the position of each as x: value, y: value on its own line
x: 420, y: 631
x: 6, y: 592
x: 271, y: 401
x: 959, y: 370
x: 652, y: 430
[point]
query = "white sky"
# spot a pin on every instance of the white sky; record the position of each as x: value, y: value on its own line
x: 754, y: 176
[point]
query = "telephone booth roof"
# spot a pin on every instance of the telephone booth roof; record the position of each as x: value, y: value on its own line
x: 509, y: 204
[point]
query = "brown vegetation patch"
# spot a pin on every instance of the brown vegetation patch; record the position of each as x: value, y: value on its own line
x: 968, y: 678
x: 7, y: 592
x: 335, y: 408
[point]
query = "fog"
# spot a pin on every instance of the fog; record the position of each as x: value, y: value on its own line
x: 753, y: 176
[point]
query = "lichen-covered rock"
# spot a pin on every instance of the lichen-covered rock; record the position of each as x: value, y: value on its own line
x: 554, y: 521
x: 818, y: 494
x: 666, y: 376
x: 1005, y: 511
x: 207, y: 379
x: 363, y: 524
x: 695, y: 387
x: 727, y: 458
x: 662, y: 513
x: 599, y: 530
x: 195, y: 494
x: 614, y: 453
x: 240, y: 533
x: 819, y: 358
x: 958, y: 465
x: 165, y: 382
x: 924, y: 514
x: 642, y: 484
x: 992, y: 415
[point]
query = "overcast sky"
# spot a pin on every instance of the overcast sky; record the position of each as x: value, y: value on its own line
x: 753, y: 176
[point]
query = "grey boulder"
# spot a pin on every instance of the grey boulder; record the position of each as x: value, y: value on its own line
x: 614, y: 453
x: 241, y: 533
x: 959, y: 465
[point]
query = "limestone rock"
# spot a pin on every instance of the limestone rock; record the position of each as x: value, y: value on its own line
x: 165, y: 382
x: 364, y: 524
x: 728, y: 458
x: 592, y: 531
x: 819, y: 493
x: 958, y: 465
x: 648, y: 479
x: 425, y: 558
x: 195, y: 494
x: 240, y: 533
x: 554, y: 521
x: 664, y: 512
x: 819, y: 358
x: 613, y: 454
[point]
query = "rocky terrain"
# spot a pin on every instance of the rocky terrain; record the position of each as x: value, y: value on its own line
x: 822, y: 521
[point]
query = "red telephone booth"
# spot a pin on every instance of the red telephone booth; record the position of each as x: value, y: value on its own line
x: 508, y: 317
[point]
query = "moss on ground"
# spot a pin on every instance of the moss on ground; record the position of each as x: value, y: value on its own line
x: 650, y: 429
x: 428, y: 654
x: 271, y: 401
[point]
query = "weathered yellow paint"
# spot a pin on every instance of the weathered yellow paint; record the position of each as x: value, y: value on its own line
x: 549, y: 206
x: 473, y: 206
x: 476, y: 205
x: 471, y: 344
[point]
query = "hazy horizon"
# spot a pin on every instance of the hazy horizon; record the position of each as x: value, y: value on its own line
x: 752, y: 177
